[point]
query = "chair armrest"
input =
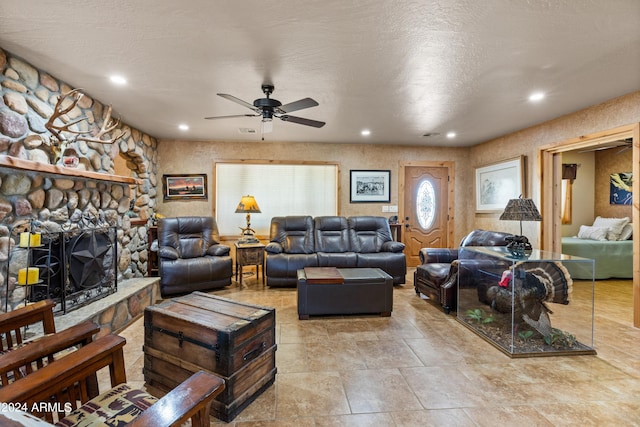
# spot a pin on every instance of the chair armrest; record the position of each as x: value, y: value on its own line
x: 168, y: 252
x: 64, y: 373
x: 218, y: 250
x: 191, y: 399
x: 441, y: 255
x: 274, y: 248
x: 392, y: 247
x: 42, y: 350
x: 41, y: 311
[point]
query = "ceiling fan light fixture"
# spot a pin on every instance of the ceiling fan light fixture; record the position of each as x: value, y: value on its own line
x: 267, y: 108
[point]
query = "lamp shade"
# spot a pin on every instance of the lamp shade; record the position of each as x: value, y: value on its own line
x: 521, y: 210
x: 248, y: 204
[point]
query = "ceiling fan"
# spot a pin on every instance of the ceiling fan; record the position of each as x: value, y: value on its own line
x: 268, y: 108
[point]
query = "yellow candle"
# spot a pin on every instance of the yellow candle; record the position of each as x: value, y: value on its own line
x: 30, y: 239
x: 28, y: 276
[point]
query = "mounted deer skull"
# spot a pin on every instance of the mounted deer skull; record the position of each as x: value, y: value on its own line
x: 58, y: 142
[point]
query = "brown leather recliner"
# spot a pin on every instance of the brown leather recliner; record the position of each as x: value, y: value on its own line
x: 437, y: 276
x: 190, y: 255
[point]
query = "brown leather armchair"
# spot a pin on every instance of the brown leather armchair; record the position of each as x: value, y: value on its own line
x: 437, y: 276
x: 190, y: 255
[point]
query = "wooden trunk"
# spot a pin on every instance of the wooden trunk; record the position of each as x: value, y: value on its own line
x: 233, y: 340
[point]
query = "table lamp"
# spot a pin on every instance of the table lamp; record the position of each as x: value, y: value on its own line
x: 520, y: 209
x: 248, y: 205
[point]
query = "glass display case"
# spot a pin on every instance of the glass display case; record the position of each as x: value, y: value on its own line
x: 528, y: 306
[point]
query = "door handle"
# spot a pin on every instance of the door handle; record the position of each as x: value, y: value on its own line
x: 406, y: 225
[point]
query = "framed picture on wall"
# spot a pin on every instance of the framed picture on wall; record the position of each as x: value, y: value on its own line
x: 370, y: 186
x: 497, y: 183
x: 184, y: 187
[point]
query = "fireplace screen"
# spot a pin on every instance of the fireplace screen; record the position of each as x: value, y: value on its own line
x: 72, y: 267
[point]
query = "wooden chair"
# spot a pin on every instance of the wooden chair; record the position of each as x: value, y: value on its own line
x: 65, y: 382
x: 18, y: 359
x: 13, y: 323
x: 23, y: 361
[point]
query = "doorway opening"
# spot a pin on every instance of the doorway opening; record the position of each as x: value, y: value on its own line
x: 551, y: 193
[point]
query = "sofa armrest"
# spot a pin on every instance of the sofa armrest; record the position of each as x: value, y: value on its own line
x: 190, y: 399
x: 218, y: 250
x: 441, y: 255
x: 392, y: 247
x: 274, y: 248
x: 168, y: 252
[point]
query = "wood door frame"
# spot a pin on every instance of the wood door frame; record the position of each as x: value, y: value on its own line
x: 450, y: 189
x: 550, y: 165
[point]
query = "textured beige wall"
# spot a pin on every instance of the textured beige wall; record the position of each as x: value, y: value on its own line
x: 617, y: 112
x: 608, y: 162
x: 199, y: 157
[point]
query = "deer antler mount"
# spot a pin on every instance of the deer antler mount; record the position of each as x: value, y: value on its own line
x: 60, y: 127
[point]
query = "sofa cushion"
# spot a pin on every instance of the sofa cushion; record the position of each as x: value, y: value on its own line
x: 114, y: 408
x: 191, y: 236
x: 339, y: 260
x: 294, y: 233
x: 331, y: 234
x: 368, y: 233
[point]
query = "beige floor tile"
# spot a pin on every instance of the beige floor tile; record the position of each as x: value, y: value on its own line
x: 378, y: 390
x: 310, y: 394
x: 420, y: 367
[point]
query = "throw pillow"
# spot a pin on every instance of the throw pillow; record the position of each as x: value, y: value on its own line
x: 592, y: 233
x: 627, y: 231
x: 615, y: 226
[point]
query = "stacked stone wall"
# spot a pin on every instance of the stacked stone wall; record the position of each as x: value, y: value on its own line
x: 27, y: 100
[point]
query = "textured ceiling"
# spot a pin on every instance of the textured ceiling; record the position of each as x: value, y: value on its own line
x: 400, y: 69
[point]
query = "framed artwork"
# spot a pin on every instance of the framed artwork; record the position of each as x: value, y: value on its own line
x: 620, y: 188
x: 499, y: 182
x: 370, y: 186
x: 184, y: 187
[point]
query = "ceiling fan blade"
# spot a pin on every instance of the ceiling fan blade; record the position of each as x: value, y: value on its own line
x: 302, y: 121
x: 233, y: 116
x: 297, y: 105
x: 238, y: 101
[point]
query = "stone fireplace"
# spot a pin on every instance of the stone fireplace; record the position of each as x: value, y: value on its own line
x: 33, y: 189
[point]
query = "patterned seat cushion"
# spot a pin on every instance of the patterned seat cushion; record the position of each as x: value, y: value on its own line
x: 114, y: 408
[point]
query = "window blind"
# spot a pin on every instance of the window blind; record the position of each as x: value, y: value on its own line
x: 279, y: 190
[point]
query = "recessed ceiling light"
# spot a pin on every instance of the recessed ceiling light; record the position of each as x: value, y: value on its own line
x: 365, y: 132
x: 119, y: 80
x: 183, y: 127
x: 451, y: 135
x: 536, y: 96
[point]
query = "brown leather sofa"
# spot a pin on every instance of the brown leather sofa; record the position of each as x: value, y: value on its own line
x: 437, y: 276
x: 190, y: 255
x: 331, y: 241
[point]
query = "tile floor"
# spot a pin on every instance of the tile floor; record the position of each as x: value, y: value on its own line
x: 420, y: 367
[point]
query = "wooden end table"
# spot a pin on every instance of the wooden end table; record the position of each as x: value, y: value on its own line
x: 249, y: 254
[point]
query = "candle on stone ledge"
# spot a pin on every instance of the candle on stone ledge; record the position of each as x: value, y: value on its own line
x: 30, y: 239
x: 28, y: 276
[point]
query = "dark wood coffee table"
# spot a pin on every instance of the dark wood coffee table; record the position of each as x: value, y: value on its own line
x: 361, y: 291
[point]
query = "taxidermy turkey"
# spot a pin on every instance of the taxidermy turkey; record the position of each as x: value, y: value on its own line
x: 534, y: 284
